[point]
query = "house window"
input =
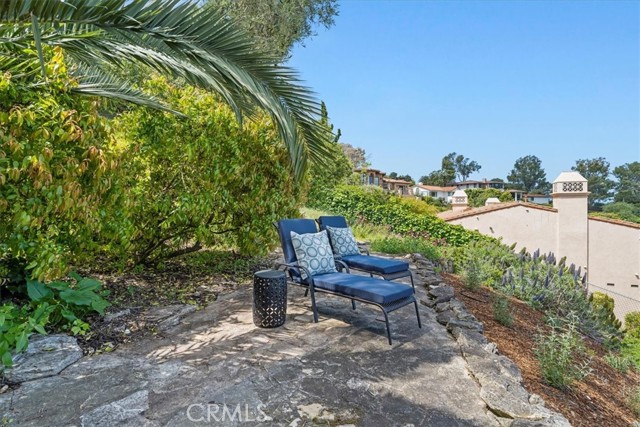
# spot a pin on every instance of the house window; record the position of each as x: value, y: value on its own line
x: 611, y: 284
x: 433, y: 194
x: 634, y: 286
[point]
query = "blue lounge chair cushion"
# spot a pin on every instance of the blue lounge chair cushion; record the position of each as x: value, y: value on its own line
x: 313, y: 252
x: 332, y: 221
x: 367, y: 288
x: 342, y: 241
x: 375, y: 264
x: 300, y: 226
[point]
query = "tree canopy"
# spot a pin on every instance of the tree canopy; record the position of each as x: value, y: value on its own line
x: 596, y: 171
x: 180, y: 39
x: 527, y: 174
x: 276, y: 26
x: 628, y: 186
x: 461, y: 165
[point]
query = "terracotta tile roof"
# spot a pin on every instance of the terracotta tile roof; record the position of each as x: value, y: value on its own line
x: 396, y: 181
x: 615, y: 221
x: 436, y: 188
x: 450, y: 215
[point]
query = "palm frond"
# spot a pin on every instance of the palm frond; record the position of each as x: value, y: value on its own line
x: 180, y: 39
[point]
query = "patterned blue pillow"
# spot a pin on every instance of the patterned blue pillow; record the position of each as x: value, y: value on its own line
x: 343, y: 242
x: 313, y: 252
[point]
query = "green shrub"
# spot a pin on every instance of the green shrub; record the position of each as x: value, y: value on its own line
x: 374, y: 206
x: 502, y: 310
x: 203, y: 180
x: 472, y: 274
x: 619, y: 361
x: 633, y: 401
x: 406, y: 245
x: 630, y: 349
x: 632, y: 324
x: 56, y: 172
x: 478, y: 196
x: 58, y: 305
x: 562, y: 355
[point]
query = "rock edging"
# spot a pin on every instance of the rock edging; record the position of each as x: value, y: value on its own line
x: 499, y: 379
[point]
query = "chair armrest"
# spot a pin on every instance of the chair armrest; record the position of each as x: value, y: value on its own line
x: 287, y: 267
x: 362, y: 247
x: 342, y: 264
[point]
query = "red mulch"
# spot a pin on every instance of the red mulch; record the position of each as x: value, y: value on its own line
x: 598, y: 400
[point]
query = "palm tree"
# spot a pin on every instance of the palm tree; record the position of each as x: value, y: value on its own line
x: 173, y: 37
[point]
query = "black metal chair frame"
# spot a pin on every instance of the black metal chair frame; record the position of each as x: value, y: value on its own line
x: 311, y: 289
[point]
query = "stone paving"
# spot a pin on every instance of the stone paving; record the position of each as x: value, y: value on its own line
x: 216, y: 368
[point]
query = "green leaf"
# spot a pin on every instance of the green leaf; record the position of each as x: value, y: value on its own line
x: 69, y: 315
x: 40, y: 329
x: 78, y: 297
x: 7, y: 360
x: 99, y: 305
x: 38, y: 291
x: 75, y: 276
x: 88, y: 284
x: 58, y: 285
x: 22, y: 342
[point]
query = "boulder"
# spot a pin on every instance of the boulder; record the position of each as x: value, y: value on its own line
x: 442, y: 293
x: 47, y: 355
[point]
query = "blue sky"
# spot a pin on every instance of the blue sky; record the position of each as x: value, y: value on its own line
x: 410, y: 81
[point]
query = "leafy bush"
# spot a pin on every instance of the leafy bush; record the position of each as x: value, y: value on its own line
x: 619, y: 361
x: 478, y: 196
x: 472, y: 274
x: 58, y: 305
x: 406, y: 245
x: 502, y: 310
x: 562, y: 354
x: 632, y: 323
x: 633, y: 401
x: 55, y: 172
x: 378, y: 208
x: 202, y: 180
x: 542, y: 281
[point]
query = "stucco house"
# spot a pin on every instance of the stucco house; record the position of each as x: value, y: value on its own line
x: 434, y: 191
x: 370, y: 176
x: 398, y: 186
x: 608, y: 250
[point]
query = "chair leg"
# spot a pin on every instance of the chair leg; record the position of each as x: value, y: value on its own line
x: 412, y: 284
x: 314, y: 308
x: 418, y: 314
x: 306, y: 292
x: 353, y: 304
x: 386, y: 321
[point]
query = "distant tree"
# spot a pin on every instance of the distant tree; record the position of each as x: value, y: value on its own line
x: 406, y: 178
x: 478, y: 196
x: 323, y: 177
x: 277, y: 25
x: 628, y: 186
x: 462, y: 165
x: 394, y: 175
x: 497, y: 179
x: 440, y: 177
x: 527, y: 174
x: 620, y: 210
x: 356, y: 155
x: 324, y: 119
x: 596, y: 171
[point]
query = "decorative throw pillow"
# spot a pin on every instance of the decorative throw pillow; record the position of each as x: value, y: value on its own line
x: 313, y: 252
x: 342, y: 241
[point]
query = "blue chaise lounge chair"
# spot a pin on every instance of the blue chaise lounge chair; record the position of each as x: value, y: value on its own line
x: 301, y: 237
x: 389, y: 269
